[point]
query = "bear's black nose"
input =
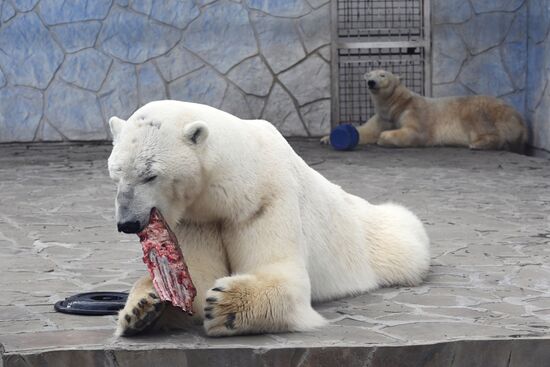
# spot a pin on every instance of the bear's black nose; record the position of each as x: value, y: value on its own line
x: 128, y: 227
x: 371, y: 84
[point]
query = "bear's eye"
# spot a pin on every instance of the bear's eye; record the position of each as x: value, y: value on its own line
x: 382, y: 75
x: 149, y: 179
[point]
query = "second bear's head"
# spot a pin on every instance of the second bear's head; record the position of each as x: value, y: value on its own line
x: 381, y: 82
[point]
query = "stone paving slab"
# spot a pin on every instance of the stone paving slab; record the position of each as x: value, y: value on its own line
x: 486, y: 301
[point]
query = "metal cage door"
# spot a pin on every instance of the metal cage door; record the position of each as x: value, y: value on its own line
x: 377, y: 34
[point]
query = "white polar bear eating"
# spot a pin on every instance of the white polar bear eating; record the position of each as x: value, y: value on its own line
x: 263, y: 234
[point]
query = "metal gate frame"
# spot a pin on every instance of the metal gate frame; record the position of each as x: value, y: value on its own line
x: 338, y: 43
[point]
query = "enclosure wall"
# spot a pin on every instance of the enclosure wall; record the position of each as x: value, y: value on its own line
x: 67, y: 66
x: 538, y: 73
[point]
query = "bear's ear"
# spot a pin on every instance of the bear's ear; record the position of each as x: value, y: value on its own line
x: 195, y: 132
x: 115, y: 124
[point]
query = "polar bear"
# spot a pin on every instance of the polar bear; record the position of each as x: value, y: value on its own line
x: 263, y: 234
x: 406, y: 119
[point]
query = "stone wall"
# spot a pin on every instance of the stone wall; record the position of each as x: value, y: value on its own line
x: 538, y: 73
x: 67, y: 66
x: 480, y: 47
x: 499, y: 48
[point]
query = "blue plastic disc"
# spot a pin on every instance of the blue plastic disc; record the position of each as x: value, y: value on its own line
x: 93, y: 303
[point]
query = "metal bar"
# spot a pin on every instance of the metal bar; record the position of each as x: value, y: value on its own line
x: 427, y: 48
x: 372, y: 34
x: 334, y: 77
x: 367, y: 45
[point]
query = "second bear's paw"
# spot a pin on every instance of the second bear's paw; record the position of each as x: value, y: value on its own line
x: 385, y: 139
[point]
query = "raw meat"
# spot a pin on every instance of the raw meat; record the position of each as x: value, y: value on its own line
x: 164, y: 259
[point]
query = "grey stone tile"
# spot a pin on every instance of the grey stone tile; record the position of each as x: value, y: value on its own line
x: 131, y: 37
x: 451, y: 11
x: 150, y: 84
x: 486, y: 30
x: 481, y: 6
x: 177, y: 62
x: 24, y: 5
x: 29, y: 54
x: 281, y: 112
x: 485, y: 74
x: 280, y: 8
x: 252, y: 76
x: 234, y: 102
x: 49, y: 133
x: 20, y: 113
x: 8, y: 11
x: 539, y: 20
x: 234, y: 39
x: 76, y: 36
x: 201, y: 86
x: 58, y: 11
x: 87, y: 69
x: 315, y: 28
x: 79, y: 117
x: 119, y: 94
x: 450, y: 53
x: 176, y: 13
x: 309, y: 80
x: 275, y: 34
x: 316, y: 116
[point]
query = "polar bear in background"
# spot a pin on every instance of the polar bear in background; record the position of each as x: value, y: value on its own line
x: 406, y: 119
x: 263, y: 234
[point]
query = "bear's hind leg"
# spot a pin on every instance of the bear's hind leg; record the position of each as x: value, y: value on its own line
x: 398, y: 246
x: 485, y: 142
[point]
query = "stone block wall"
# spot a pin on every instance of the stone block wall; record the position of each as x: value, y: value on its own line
x: 480, y: 47
x: 538, y: 73
x: 499, y: 48
x: 67, y: 66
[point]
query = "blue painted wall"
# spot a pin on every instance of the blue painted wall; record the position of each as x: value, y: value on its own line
x: 538, y: 73
x: 67, y: 66
x: 480, y: 47
x: 496, y: 47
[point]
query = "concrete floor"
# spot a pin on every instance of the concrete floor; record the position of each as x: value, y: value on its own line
x: 486, y: 301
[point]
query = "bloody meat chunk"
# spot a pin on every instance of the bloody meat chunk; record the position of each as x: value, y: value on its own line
x: 164, y: 259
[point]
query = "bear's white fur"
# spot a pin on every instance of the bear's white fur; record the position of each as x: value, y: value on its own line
x: 263, y: 234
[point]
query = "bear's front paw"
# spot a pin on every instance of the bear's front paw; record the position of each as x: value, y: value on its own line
x: 386, y: 139
x: 139, y: 313
x: 228, y: 307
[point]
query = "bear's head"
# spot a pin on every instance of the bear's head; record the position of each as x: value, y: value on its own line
x: 381, y: 82
x: 156, y: 162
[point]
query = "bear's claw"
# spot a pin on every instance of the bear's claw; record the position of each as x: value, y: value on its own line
x: 139, y: 315
x: 220, y: 317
